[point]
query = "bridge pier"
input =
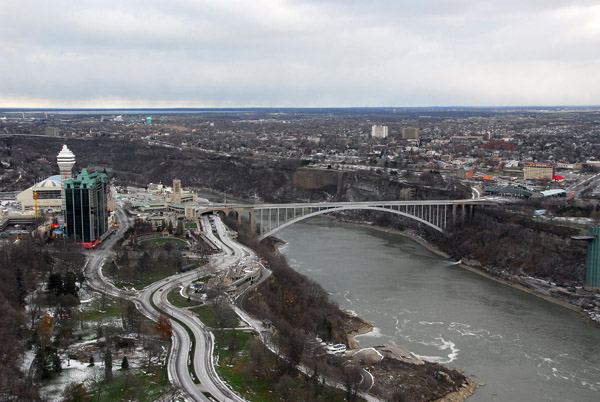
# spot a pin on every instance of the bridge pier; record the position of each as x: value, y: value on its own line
x: 466, y: 211
x: 453, y: 214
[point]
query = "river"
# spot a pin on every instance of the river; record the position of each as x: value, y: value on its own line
x: 522, y: 347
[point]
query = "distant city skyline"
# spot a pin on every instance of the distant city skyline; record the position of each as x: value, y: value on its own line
x: 294, y: 53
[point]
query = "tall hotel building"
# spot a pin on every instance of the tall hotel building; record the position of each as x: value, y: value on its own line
x: 86, y: 214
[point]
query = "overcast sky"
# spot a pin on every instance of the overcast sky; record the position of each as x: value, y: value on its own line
x: 227, y: 53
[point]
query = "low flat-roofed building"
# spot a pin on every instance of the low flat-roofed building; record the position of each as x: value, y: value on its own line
x: 554, y: 193
x: 48, y: 195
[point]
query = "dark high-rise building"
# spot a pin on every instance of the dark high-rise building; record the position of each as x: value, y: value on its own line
x: 86, y: 215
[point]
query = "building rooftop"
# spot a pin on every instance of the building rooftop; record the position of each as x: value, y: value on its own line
x: 87, y: 177
x: 553, y: 192
x: 49, y: 183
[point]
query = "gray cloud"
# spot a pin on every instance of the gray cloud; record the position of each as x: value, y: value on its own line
x: 298, y: 53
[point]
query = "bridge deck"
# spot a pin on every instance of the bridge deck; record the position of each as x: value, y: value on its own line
x: 469, y: 201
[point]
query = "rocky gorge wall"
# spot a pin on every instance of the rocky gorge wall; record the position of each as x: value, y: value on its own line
x: 500, y: 241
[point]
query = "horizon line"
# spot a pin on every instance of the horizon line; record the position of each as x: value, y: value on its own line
x: 2, y: 109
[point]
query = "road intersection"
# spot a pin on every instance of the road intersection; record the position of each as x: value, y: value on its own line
x: 202, y: 384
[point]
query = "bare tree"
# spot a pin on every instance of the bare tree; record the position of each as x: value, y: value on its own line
x: 352, y: 380
x: 225, y: 316
x: 233, y: 345
x: 286, y: 388
x: 36, y: 301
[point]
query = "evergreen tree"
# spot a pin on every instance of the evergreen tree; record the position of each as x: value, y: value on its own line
x: 170, y: 227
x: 56, y: 364
x: 41, y: 364
x: 69, y: 286
x: 55, y: 284
x: 124, y: 363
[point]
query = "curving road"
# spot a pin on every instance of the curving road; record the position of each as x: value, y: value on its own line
x: 156, y: 295
x: 152, y: 301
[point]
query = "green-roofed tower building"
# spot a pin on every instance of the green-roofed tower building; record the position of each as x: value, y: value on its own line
x: 86, y: 215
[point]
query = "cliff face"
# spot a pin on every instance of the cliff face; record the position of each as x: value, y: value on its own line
x: 311, y: 179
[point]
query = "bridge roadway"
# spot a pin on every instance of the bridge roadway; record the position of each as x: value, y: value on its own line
x: 437, y: 214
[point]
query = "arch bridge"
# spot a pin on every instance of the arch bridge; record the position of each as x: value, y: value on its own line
x: 437, y: 214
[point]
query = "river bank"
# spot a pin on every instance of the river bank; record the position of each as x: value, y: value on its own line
x: 355, y: 325
x: 300, y: 309
x: 512, y: 341
x: 364, y: 328
x: 473, y: 266
x: 466, y: 389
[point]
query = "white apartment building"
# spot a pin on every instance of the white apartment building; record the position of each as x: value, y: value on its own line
x: 379, y: 131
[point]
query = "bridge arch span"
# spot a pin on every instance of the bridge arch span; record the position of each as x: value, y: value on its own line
x: 346, y: 208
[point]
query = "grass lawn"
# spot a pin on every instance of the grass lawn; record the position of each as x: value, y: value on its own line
x: 206, y: 314
x: 256, y: 390
x: 191, y: 225
x: 95, y: 311
x: 177, y: 300
x: 163, y: 240
x: 142, y: 385
x: 142, y: 280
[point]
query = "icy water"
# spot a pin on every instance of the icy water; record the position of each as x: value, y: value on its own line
x: 522, y: 347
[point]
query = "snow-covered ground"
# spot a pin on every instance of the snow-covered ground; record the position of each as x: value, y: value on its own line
x: 75, y: 372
